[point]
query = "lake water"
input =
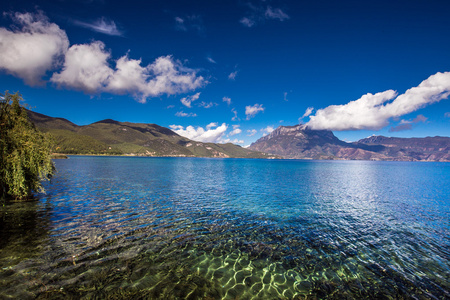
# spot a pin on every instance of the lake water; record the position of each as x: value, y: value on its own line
x: 169, y: 228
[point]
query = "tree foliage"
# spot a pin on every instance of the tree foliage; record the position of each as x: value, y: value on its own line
x: 24, y: 151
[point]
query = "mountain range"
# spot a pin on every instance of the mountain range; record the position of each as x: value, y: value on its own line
x: 111, y: 137
x: 301, y: 142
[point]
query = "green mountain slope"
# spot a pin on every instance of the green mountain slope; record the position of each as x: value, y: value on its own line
x: 123, y: 138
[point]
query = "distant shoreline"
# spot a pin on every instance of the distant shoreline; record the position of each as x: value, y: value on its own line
x: 61, y: 156
x: 66, y: 156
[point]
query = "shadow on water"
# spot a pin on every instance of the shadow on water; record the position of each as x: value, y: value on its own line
x: 24, y: 233
x: 23, y: 228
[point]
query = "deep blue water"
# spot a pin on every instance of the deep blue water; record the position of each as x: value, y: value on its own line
x: 231, y: 228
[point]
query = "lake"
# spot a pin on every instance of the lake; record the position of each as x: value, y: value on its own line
x: 169, y: 228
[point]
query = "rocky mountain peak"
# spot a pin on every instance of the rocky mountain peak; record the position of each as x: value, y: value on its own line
x: 300, y: 131
x: 301, y: 142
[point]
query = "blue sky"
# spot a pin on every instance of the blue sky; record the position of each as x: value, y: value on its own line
x: 234, y: 70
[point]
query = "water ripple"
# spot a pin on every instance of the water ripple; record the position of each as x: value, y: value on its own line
x: 225, y: 229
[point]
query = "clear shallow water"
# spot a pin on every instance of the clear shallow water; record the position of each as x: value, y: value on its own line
x: 117, y: 227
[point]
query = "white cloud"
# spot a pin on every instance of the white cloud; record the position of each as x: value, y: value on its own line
x: 247, y: 22
x: 285, y: 96
x: 232, y: 75
x: 183, y: 114
x: 32, y: 50
x: 190, y: 23
x: 176, y: 127
x: 447, y: 115
x: 227, y: 100
x: 308, y: 111
x: 212, y: 134
x: 275, y: 13
x: 102, y: 25
x: 211, y: 125
x: 36, y: 47
x: 207, y: 104
x: 267, y: 130
x: 259, y: 14
x: 86, y: 68
x: 179, y: 24
x: 236, y: 130
x: 251, y: 111
x: 374, y: 111
x: 235, y: 141
x: 251, y: 132
x: 235, y: 117
x: 208, y: 58
x: 186, y: 101
x: 128, y: 78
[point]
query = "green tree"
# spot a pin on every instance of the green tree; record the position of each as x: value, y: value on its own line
x: 24, y: 151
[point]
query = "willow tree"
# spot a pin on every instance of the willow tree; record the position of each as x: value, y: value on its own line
x: 24, y: 151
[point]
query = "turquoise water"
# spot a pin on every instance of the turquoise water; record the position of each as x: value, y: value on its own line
x: 170, y: 228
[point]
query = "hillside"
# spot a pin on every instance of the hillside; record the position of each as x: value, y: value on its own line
x: 422, y: 149
x: 124, y: 138
x: 300, y: 142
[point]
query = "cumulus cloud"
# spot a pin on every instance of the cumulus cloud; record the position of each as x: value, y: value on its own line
x: 258, y: 14
x: 86, y: 68
x: 212, y: 134
x: 236, y: 130
x: 251, y: 111
x: 373, y: 111
x: 186, y: 101
x: 183, y: 114
x: 32, y: 47
x: 35, y: 46
x: 102, y: 25
x: 227, y: 100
